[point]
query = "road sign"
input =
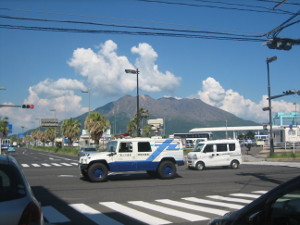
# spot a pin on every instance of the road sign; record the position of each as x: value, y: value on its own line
x: 49, y: 122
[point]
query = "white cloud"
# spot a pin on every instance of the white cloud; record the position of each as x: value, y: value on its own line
x: 104, y: 70
x: 214, y: 94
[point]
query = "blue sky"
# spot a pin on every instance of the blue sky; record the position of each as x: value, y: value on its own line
x: 49, y: 68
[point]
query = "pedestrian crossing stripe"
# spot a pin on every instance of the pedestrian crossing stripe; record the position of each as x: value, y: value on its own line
x: 36, y: 165
x: 163, y: 206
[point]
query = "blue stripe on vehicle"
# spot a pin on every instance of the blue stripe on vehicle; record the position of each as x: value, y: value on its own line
x: 161, y: 147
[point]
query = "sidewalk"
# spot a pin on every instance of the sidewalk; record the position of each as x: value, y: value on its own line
x: 257, y: 154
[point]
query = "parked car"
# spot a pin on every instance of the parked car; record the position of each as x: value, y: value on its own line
x: 279, y: 206
x: 17, y: 203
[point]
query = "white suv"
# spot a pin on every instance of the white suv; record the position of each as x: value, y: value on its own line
x: 156, y: 156
x: 215, y: 153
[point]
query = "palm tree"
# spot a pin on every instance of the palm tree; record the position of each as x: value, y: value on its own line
x: 71, y: 129
x: 4, y: 129
x: 50, y: 134
x: 131, y: 126
x: 96, y: 125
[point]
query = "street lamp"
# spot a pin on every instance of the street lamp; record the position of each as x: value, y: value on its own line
x: 269, y: 60
x: 137, y: 98
x: 2, y: 88
x: 88, y: 91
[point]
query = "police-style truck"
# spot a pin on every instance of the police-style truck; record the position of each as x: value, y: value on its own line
x: 158, y: 157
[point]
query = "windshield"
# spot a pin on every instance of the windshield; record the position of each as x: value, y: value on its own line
x: 198, y: 148
x: 111, y: 146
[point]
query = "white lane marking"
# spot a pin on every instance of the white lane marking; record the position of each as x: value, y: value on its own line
x: 169, y: 211
x: 193, y: 207
x: 75, y: 164
x: 46, y: 165
x: 245, y: 195
x: 53, y: 216
x: 143, y: 217
x: 35, y: 165
x: 25, y: 165
x: 209, y: 202
x: 218, y: 197
x: 94, y: 215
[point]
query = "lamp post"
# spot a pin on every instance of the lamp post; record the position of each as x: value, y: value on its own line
x: 137, y: 98
x: 269, y: 60
x: 88, y: 91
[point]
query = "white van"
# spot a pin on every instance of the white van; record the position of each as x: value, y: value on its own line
x: 215, y: 153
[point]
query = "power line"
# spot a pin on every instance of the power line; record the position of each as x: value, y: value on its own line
x: 164, y: 34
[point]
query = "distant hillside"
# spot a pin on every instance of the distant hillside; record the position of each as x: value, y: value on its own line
x: 180, y: 115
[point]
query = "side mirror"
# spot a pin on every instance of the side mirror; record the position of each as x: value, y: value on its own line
x: 256, y: 218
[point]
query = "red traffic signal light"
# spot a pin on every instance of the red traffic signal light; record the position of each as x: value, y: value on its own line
x: 24, y: 106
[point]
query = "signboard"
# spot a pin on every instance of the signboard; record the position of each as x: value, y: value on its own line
x: 10, y: 126
x: 49, y: 122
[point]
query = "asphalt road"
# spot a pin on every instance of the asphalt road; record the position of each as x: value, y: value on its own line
x: 137, y: 198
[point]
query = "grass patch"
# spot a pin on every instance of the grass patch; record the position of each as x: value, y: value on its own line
x: 286, y: 155
x: 65, y: 150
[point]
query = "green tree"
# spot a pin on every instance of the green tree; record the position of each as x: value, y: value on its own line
x: 4, y: 129
x: 132, y: 124
x: 71, y: 129
x: 50, y: 134
x: 96, y: 124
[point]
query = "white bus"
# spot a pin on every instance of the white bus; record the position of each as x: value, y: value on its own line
x: 189, y: 140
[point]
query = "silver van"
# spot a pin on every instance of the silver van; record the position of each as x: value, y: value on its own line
x: 215, y: 153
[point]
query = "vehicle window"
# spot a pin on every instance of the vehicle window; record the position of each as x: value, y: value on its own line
x: 198, y: 148
x: 221, y: 147
x: 286, y: 209
x: 11, y: 184
x: 111, y: 146
x: 208, y: 148
x: 144, y: 147
x: 125, y: 147
x: 231, y: 147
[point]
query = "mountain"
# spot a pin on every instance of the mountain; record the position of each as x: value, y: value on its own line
x: 180, y: 115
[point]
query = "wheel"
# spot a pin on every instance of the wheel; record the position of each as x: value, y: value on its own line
x: 166, y: 170
x: 200, y: 166
x: 234, y: 164
x: 97, y: 172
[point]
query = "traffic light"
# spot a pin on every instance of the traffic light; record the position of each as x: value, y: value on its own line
x: 24, y: 106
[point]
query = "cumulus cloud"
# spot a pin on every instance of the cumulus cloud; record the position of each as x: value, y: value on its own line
x: 104, y: 70
x: 214, y: 94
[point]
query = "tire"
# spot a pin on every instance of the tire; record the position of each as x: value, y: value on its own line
x: 97, y: 172
x: 234, y: 164
x: 166, y: 170
x: 200, y: 166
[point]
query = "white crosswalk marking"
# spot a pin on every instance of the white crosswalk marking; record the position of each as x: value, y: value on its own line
x: 35, y: 165
x: 218, y: 197
x: 25, y: 165
x: 209, y: 202
x: 94, y: 215
x: 46, y: 165
x: 66, y: 164
x: 56, y: 164
x: 193, y: 207
x: 143, y: 217
x: 245, y: 195
x: 169, y: 211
